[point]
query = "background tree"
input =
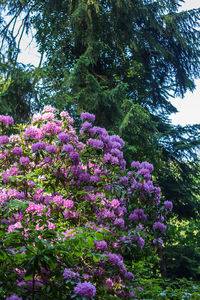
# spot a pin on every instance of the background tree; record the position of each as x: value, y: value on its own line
x: 16, y: 91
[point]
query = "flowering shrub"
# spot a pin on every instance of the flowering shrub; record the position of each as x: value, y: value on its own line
x: 71, y: 215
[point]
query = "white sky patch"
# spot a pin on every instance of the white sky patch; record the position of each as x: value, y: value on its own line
x: 190, y: 4
x: 188, y: 107
x: 29, y: 51
x: 28, y: 48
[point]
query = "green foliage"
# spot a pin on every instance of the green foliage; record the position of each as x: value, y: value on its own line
x: 160, y: 289
x: 155, y: 287
x: 182, y: 251
x: 141, y: 134
x: 16, y: 91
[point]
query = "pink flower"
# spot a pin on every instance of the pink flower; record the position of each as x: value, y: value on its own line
x: 48, y: 108
x: 51, y: 225
x: 33, y: 132
x: 51, y: 128
x: 69, y: 204
x: 58, y: 200
x: 64, y: 114
x: 15, y: 226
x: 37, y: 117
x: 6, y: 120
x: 48, y: 116
x: 115, y: 203
x: 4, y: 139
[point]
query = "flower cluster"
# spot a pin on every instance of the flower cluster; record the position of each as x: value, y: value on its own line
x: 70, y: 209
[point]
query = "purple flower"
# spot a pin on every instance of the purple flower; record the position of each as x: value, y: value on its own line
x: 117, y: 152
x: 4, y: 139
x: 134, y: 217
x: 115, y: 259
x: 129, y: 276
x: 86, y: 125
x: 145, y: 173
x: 119, y: 222
x: 88, y: 116
x: 95, y: 178
x: 51, y: 149
x: 121, y: 294
x: 84, y: 176
x: 24, y: 160
x: 122, y: 164
x: 132, y: 295
x: 160, y: 226
x: 147, y: 165
x: 117, y: 139
x: 139, y: 240
x: 139, y: 288
x: 68, y: 148
x: 17, y: 151
x: 135, y: 164
x: 75, y: 157
x: 140, y: 214
x: 169, y: 205
x: 14, y: 297
x: 108, y: 157
x: 68, y: 274
x: 109, y: 283
x: 48, y: 160
x: 101, y: 131
x: 63, y: 137
x: 160, y: 218
x: 31, y: 183
x: 114, y: 145
x: 38, y: 146
x: 123, y: 180
x: 85, y: 289
x: 158, y: 242
x: 137, y: 215
x: 100, y: 245
x: 95, y: 143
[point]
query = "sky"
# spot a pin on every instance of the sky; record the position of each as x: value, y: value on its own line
x: 188, y: 107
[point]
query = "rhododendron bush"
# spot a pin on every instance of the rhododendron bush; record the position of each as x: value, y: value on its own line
x: 71, y: 215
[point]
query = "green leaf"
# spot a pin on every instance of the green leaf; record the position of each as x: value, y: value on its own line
x: 18, y: 204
